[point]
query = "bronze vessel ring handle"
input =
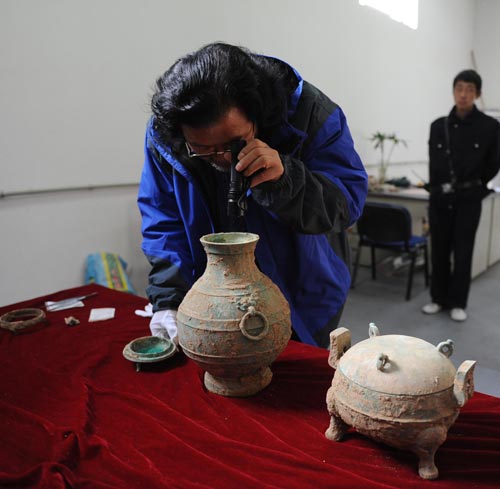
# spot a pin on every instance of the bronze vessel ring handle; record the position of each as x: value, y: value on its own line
x: 446, y: 348
x: 252, y: 312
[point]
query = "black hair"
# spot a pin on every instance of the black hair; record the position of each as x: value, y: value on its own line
x: 199, y: 88
x: 469, y: 76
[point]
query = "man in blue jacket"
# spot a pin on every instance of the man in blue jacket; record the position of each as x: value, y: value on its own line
x: 307, y: 184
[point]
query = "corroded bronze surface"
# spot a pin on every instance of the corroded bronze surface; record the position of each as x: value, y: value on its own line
x: 21, y: 319
x: 148, y: 349
x: 234, y: 321
x: 398, y: 390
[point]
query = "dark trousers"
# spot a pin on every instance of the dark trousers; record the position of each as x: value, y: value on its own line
x: 453, y: 224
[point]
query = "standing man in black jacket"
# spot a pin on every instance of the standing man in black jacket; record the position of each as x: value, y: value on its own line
x: 464, y: 155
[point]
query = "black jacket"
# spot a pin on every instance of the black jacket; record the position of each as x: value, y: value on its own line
x: 474, y: 147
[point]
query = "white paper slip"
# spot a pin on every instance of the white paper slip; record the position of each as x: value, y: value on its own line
x: 101, y: 314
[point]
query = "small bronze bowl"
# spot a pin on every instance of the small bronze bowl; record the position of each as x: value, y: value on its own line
x: 148, y: 349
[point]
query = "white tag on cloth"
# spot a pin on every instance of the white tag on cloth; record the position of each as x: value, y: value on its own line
x: 101, y: 314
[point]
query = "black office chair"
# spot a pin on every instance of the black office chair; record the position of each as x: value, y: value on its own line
x: 388, y: 226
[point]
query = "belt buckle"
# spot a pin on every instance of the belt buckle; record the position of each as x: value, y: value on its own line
x: 447, y: 188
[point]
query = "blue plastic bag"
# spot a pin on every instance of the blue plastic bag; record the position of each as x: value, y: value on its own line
x: 108, y: 269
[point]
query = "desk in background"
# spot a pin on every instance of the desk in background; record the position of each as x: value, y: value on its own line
x: 75, y: 413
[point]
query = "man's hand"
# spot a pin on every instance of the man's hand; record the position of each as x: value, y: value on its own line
x: 260, y: 163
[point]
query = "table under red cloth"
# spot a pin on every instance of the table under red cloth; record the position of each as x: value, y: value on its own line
x: 76, y: 414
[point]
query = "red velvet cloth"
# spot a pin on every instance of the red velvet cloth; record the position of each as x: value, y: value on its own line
x: 75, y: 413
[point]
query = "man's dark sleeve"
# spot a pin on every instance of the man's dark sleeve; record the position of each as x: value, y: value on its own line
x: 166, y: 288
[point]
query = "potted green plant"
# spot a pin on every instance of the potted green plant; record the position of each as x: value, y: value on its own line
x: 379, y: 140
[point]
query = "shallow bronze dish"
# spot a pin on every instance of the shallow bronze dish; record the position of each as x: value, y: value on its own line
x: 148, y: 349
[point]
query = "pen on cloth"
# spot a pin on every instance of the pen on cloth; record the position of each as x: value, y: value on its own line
x: 65, y: 303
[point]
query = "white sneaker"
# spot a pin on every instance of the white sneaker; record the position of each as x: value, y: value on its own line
x: 431, y: 308
x: 458, y: 314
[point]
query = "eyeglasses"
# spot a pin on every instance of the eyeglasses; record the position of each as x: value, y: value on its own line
x: 192, y: 154
x: 213, y: 154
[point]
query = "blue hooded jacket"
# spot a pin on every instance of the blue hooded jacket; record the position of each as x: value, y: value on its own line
x: 301, y: 219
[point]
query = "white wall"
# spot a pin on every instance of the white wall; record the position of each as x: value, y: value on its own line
x: 76, y: 77
x: 487, y: 40
x: 45, y: 239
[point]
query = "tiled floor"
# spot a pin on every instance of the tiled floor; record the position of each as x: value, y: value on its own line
x: 382, y: 302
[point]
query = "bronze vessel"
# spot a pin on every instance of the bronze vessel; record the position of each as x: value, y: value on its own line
x: 398, y: 390
x: 234, y: 321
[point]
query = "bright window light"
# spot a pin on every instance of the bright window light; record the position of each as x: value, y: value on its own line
x: 405, y: 11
